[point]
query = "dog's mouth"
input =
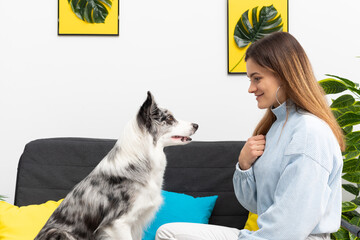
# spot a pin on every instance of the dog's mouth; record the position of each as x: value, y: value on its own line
x: 181, y: 138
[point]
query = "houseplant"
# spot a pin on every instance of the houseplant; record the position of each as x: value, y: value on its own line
x: 346, y: 109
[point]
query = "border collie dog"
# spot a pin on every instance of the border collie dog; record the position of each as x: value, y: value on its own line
x: 123, y: 192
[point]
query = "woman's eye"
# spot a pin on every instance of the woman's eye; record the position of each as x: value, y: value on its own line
x: 255, y: 79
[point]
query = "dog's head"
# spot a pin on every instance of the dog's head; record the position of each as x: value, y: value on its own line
x: 162, y: 125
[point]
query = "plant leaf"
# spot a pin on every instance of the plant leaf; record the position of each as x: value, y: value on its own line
x: 354, y: 108
x: 91, y: 11
x: 352, y: 153
x: 336, y: 113
x: 352, y: 177
x: 263, y: 23
x: 341, y: 234
x: 356, y: 201
x: 351, y: 165
x: 332, y: 86
x: 351, y: 189
x: 353, y: 138
x: 348, y: 206
x: 345, y: 218
x: 348, y: 129
x: 343, y: 101
x: 348, y: 119
x: 351, y: 214
x: 107, y: 2
x: 346, y: 81
x: 354, y: 90
x: 254, y: 17
x: 78, y: 7
x: 352, y: 147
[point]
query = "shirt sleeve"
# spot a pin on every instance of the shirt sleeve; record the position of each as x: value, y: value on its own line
x: 300, y: 201
x: 245, y: 188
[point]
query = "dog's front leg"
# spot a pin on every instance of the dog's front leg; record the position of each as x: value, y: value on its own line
x: 119, y: 231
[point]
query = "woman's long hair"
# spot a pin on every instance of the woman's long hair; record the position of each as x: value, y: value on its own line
x: 283, y: 55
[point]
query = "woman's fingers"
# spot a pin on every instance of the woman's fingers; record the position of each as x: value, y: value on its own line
x: 253, y: 148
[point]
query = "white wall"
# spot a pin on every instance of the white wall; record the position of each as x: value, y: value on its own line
x: 53, y: 86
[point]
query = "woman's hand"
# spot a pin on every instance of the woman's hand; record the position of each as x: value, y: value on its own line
x: 253, y: 148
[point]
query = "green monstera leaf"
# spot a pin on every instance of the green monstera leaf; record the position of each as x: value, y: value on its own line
x: 91, y: 11
x: 264, y: 22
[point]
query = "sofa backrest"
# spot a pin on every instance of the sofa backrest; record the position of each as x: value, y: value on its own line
x: 49, y: 168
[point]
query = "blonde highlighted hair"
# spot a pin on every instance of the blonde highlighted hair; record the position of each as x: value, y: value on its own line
x: 283, y: 55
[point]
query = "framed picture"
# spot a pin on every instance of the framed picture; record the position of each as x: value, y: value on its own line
x: 250, y: 20
x: 88, y: 17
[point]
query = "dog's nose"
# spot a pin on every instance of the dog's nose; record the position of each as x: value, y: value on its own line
x: 195, y: 126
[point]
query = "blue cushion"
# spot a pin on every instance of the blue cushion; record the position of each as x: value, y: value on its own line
x: 178, y: 207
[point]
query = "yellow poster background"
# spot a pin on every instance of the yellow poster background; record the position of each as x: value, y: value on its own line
x: 235, y: 9
x: 70, y: 24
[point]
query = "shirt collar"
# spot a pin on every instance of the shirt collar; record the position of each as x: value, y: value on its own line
x: 281, y: 111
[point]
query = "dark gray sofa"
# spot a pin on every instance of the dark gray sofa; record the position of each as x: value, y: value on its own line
x: 49, y: 168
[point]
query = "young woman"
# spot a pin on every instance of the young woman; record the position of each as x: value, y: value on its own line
x: 289, y: 171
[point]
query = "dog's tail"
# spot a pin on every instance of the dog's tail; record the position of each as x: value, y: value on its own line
x: 54, y: 234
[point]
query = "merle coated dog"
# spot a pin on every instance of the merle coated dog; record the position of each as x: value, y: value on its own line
x: 122, y: 194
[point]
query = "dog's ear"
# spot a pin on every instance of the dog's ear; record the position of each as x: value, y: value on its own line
x: 148, y: 109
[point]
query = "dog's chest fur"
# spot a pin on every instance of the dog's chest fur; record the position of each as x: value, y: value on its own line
x: 148, y: 197
x: 145, y: 176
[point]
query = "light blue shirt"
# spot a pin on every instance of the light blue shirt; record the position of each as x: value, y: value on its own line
x: 295, y: 186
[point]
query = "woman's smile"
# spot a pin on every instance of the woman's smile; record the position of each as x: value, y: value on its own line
x: 258, y: 96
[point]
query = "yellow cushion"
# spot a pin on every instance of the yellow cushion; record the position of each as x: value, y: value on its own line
x: 24, y: 222
x: 251, y: 223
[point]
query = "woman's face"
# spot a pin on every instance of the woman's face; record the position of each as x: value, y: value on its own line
x: 264, y: 85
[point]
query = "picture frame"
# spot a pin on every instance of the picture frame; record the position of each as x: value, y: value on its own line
x: 88, y: 17
x: 243, y: 12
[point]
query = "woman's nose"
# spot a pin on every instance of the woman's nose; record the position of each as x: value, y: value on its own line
x: 252, y: 88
